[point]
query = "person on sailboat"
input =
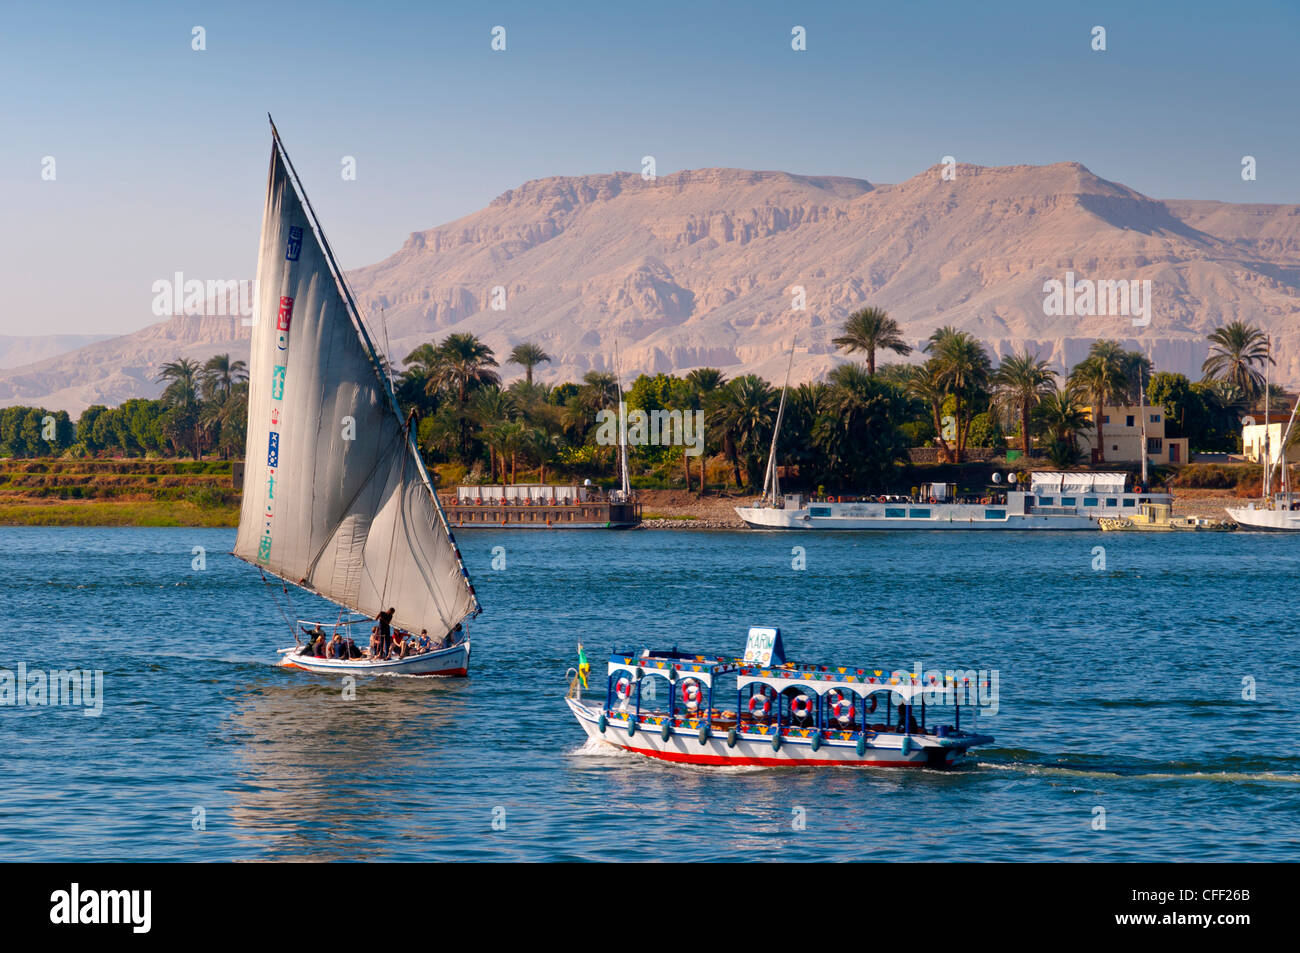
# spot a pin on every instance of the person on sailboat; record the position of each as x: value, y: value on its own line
x: 376, y: 643
x: 337, y: 649
x: 385, y: 620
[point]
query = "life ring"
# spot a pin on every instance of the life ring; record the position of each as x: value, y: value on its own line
x: 800, y: 706
x: 623, y: 689
x: 985, y: 500
x: 842, y: 709
x: 691, y: 694
x: 760, y: 705
x: 933, y: 501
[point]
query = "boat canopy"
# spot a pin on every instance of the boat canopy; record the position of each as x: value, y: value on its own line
x: 525, y: 492
x: 1052, y: 481
x: 820, y: 679
x: 673, y: 665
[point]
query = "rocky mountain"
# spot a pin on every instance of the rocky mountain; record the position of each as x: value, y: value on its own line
x: 706, y: 267
x: 19, y: 349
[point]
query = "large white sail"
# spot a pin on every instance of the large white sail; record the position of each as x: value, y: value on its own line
x: 336, y: 498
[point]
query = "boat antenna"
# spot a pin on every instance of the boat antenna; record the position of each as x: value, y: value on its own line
x: 1268, y: 463
x: 1142, y: 412
x: 771, y: 480
x: 622, y: 426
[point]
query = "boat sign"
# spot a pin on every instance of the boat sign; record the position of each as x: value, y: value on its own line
x: 764, y: 647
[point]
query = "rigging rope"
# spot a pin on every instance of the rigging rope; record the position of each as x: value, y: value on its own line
x: 292, y: 628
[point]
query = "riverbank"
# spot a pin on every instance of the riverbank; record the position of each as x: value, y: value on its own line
x: 118, y: 493
x: 188, y: 493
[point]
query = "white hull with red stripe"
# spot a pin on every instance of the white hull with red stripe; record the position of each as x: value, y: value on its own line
x: 754, y: 747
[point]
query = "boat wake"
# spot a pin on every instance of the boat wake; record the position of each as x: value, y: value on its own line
x: 1135, y: 772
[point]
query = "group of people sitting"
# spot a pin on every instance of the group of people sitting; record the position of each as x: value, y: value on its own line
x: 385, y: 642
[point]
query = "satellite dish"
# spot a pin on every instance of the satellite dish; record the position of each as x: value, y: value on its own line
x: 997, y: 478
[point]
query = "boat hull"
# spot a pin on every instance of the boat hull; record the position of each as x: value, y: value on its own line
x: 950, y: 519
x: 447, y: 663
x: 683, y: 746
x: 1269, y: 521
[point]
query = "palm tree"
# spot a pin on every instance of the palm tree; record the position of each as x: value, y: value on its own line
x: 856, y: 436
x: 924, y: 385
x: 870, y: 330
x: 220, y: 375
x: 744, y: 414
x: 1062, y: 417
x: 528, y: 356
x: 183, y: 382
x: 1019, y: 384
x: 703, y: 382
x: 1235, y: 349
x: 1101, y: 376
x: 962, y: 368
x: 463, y: 364
x: 488, y: 407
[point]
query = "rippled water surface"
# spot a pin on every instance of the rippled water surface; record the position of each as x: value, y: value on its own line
x: 1119, y: 689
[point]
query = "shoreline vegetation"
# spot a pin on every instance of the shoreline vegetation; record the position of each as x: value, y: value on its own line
x: 956, y: 417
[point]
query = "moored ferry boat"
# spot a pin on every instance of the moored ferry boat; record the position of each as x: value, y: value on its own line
x: 1052, y: 501
x: 676, y: 706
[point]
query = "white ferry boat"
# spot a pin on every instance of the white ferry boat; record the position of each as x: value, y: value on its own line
x: 1052, y: 501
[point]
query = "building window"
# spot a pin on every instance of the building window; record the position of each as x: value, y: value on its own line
x: 1105, y: 418
x: 1155, y: 445
x: 1155, y: 418
x: 1129, y: 421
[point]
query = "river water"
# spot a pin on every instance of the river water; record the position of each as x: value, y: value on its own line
x: 1147, y: 702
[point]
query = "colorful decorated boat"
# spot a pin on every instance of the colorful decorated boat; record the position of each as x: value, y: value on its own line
x: 677, y: 706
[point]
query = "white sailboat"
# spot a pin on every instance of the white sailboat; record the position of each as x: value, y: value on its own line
x: 1276, y: 512
x: 337, y: 500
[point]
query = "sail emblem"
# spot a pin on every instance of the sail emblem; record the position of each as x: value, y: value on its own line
x: 273, y: 450
x: 295, y: 244
x: 277, y: 382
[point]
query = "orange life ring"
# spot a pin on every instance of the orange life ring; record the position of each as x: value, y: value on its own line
x: 933, y: 501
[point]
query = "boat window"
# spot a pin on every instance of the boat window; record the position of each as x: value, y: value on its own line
x: 895, y: 513
x: 1128, y: 502
x: 1090, y: 501
x: 819, y: 511
x: 1067, y: 501
x: 1112, y: 502
x: 919, y: 514
x: 995, y: 514
x: 1046, y: 500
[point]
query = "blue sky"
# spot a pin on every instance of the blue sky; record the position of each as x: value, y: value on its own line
x: 161, y: 151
